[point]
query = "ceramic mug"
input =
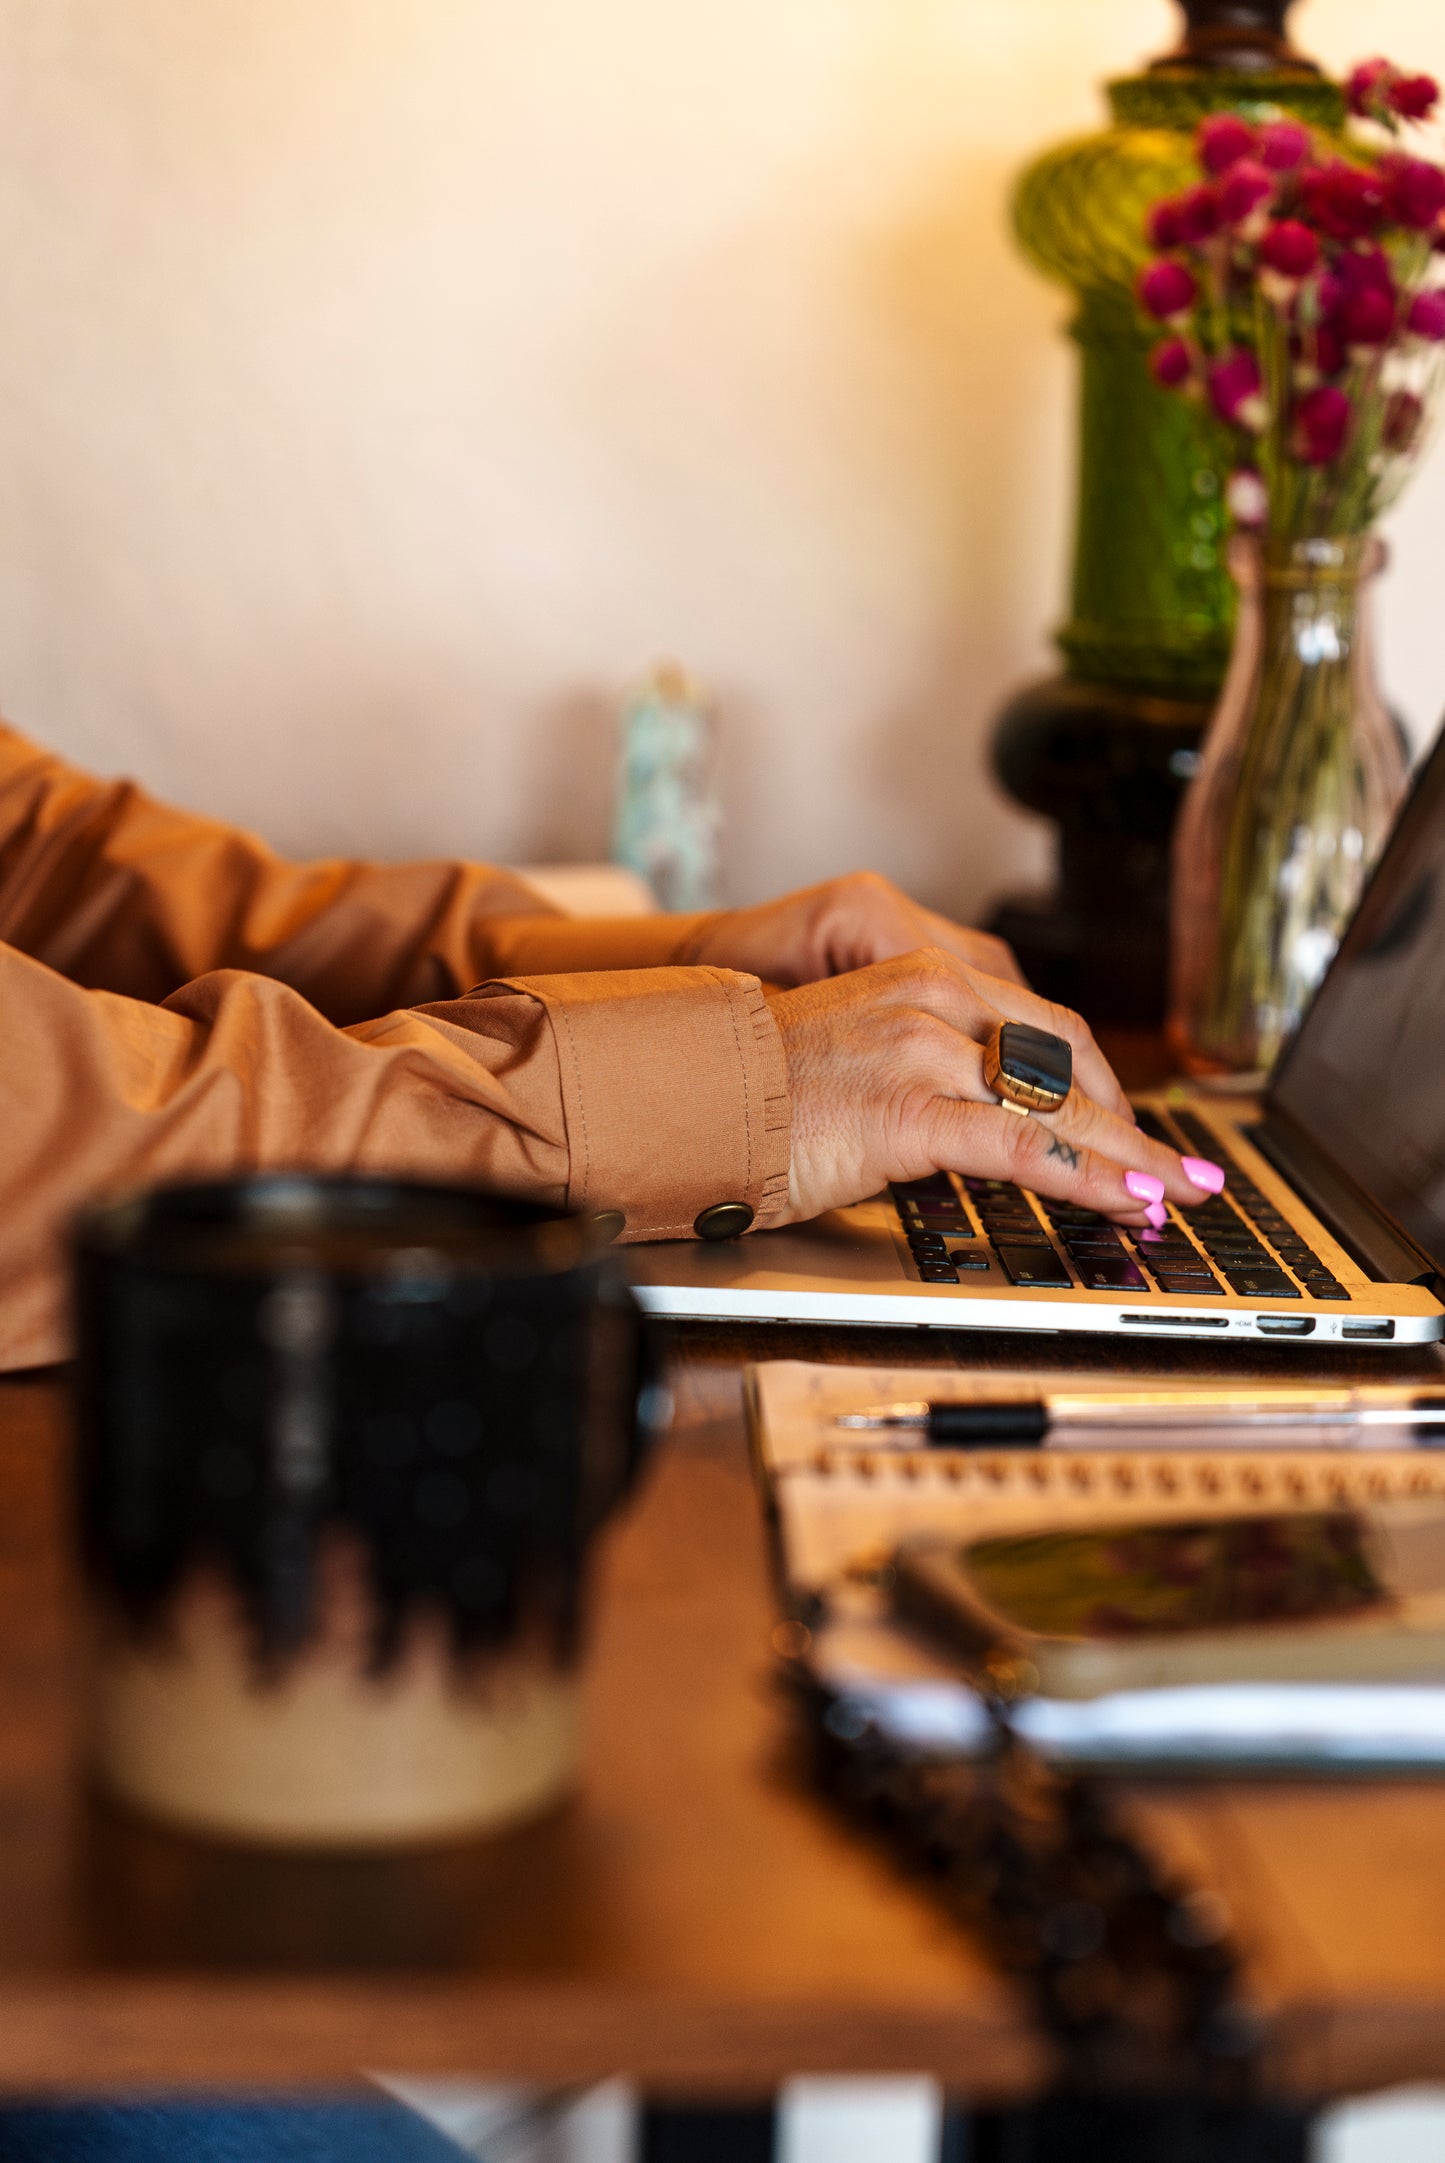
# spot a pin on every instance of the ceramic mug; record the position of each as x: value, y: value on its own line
x: 342, y: 1449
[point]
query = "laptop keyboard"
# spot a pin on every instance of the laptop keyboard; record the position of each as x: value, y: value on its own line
x: 1236, y: 1241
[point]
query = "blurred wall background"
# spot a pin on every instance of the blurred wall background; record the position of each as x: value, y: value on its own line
x: 383, y: 385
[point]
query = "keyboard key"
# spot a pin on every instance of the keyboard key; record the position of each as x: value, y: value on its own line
x: 963, y: 1258
x: 1102, y: 1275
x: 932, y: 1183
x: 1035, y: 1265
x: 1261, y: 1284
x: 1333, y: 1290
x: 1190, y: 1281
x: 937, y: 1273
x: 1202, y: 1138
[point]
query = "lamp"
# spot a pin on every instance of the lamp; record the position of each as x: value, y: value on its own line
x: 1106, y: 748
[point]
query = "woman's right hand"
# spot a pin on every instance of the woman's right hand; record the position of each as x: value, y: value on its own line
x: 885, y: 1068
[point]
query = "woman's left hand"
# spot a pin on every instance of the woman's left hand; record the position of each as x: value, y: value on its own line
x: 844, y: 924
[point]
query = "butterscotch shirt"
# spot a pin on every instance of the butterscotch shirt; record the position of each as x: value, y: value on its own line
x: 178, y: 1001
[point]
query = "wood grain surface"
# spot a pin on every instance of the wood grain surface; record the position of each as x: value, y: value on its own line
x: 695, y: 1918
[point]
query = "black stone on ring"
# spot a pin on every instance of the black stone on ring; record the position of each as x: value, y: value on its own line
x: 1030, y: 1069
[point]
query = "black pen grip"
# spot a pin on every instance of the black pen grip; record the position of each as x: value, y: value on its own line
x: 985, y: 1426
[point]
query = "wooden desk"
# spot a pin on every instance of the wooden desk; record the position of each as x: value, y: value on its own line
x: 696, y: 1919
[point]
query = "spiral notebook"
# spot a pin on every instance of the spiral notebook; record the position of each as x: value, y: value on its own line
x: 840, y: 1505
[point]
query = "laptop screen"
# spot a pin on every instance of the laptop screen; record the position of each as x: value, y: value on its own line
x: 1365, y: 1076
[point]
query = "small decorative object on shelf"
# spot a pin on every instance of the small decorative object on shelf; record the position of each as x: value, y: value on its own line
x: 1299, y: 289
x: 668, y: 818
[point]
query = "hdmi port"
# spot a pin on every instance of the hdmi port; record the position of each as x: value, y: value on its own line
x: 1285, y: 1325
x: 1370, y: 1332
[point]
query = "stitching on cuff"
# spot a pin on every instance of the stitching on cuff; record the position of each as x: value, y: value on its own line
x: 747, y: 1080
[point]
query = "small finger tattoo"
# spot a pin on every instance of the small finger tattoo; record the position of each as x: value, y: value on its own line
x: 1065, y: 1151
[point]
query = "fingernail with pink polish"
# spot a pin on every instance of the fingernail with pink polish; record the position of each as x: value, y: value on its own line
x: 1144, y: 1186
x: 1209, y: 1178
x: 1158, y: 1215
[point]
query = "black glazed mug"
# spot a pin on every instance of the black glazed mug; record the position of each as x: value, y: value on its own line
x: 342, y: 1447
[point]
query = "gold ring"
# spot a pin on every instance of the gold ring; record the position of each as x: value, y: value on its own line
x: 1028, y: 1070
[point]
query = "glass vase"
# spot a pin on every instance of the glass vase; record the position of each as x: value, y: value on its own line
x: 1299, y: 780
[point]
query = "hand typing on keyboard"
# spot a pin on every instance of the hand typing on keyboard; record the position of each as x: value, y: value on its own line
x: 885, y: 1068
x: 843, y: 924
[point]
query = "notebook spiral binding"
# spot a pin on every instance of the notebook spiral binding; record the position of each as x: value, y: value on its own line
x: 1134, y: 1977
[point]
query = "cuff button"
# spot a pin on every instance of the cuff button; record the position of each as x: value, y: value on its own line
x: 725, y: 1220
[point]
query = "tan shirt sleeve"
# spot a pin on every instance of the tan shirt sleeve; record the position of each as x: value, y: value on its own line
x: 657, y: 1092
x: 121, y: 893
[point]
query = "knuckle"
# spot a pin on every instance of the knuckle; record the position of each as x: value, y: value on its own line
x: 1068, y: 1024
x: 909, y: 1031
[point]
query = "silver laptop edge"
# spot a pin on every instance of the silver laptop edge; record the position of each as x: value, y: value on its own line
x: 1353, y: 1119
x: 854, y: 1266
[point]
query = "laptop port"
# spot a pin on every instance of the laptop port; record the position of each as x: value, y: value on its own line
x: 1177, y: 1321
x: 1285, y: 1325
x: 1368, y: 1332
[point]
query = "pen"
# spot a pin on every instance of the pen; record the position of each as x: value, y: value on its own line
x: 1211, y: 1417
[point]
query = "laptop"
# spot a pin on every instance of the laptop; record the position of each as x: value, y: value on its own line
x: 1331, y: 1229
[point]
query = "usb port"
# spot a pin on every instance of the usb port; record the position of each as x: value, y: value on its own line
x: 1285, y: 1325
x: 1368, y: 1332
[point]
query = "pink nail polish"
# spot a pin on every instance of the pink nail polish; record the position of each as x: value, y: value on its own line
x: 1144, y: 1186
x: 1158, y: 1215
x: 1209, y: 1178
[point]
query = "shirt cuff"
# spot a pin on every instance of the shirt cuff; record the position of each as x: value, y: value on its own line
x: 674, y: 1088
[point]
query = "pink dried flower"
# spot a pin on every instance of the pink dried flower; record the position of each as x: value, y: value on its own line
x: 1426, y: 318
x: 1414, y: 97
x: 1355, y: 270
x: 1358, y: 267
x: 1290, y: 248
x: 1415, y: 190
x: 1345, y: 200
x: 1366, y: 318
x: 1197, y: 212
x: 1284, y: 145
x: 1161, y: 227
x: 1167, y: 290
x: 1171, y: 363
x: 1222, y: 140
x: 1366, y: 87
x: 1236, y: 390
x: 1245, y: 188
x: 1246, y: 497
x: 1322, y: 421
x: 1403, y: 421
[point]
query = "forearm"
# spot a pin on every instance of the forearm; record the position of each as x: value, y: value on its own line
x: 658, y: 1094
x: 121, y: 893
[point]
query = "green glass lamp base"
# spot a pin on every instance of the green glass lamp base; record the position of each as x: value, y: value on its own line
x: 1106, y: 748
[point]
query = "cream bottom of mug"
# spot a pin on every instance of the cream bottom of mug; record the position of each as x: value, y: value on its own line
x: 325, y: 1754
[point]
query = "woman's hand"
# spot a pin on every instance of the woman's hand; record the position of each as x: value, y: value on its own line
x: 885, y: 1067
x: 842, y: 924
